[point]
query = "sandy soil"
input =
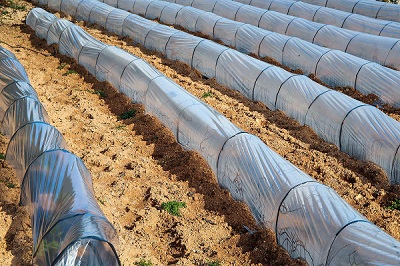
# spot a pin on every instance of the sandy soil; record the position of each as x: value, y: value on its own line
x: 136, y: 164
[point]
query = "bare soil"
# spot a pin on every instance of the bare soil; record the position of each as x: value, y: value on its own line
x: 136, y: 164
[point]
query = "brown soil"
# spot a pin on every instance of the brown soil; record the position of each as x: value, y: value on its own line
x: 136, y: 164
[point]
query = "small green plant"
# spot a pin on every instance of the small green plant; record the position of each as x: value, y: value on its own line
x: 395, y: 205
x: 172, y: 207
x: 144, y: 262
x: 62, y: 65
x: 213, y: 263
x: 69, y: 72
x: 128, y: 114
x: 10, y: 184
x: 2, y: 156
x: 12, y: 4
x: 101, y: 201
x: 100, y: 93
x: 120, y: 127
x: 207, y: 94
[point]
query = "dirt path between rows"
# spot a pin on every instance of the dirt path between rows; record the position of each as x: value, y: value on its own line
x: 136, y: 164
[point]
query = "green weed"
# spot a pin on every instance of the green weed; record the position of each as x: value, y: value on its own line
x: 214, y: 263
x: 10, y: 184
x: 395, y: 205
x: 144, y: 262
x: 172, y: 207
x: 69, y: 72
x: 2, y: 156
x: 100, y: 93
x: 12, y: 4
x: 128, y: 114
x: 62, y: 65
x: 120, y: 127
x: 207, y: 94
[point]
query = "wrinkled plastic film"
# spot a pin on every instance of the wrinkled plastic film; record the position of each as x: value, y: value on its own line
x: 330, y: 16
x: 206, y: 56
x: 169, y: 103
x: 165, y: 100
x: 85, y: 251
x: 295, y: 102
x: 253, y: 174
x: 203, y: 129
x: 382, y: 133
x: 58, y: 186
x: 373, y: 9
x: 239, y: 71
x: 29, y: 142
x: 309, y: 30
x: 158, y: 38
x: 364, y: 243
x: 335, y: 106
x: 12, y: 92
x: 21, y: 112
x: 303, y: 209
x: 50, y: 194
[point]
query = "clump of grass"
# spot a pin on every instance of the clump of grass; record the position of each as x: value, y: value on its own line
x: 207, y: 94
x: 128, y: 114
x: 2, y: 156
x: 120, y: 127
x: 62, y: 65
x: 10, y: 184
x: 69, y: 72
x: 213, y: 263
x: 12, y: 4
x: 100, y: 93
x: 144, y: 262
x: 173, y: 207
x: 395, y: 205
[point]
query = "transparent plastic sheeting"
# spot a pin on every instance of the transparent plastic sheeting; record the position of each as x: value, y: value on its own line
x: 279, y: 195
x: 333, y: 67
x: 373, y: 9
x: 68, y: 227
x: 370, y: 135
x: 330, y: 16
x: 379, y: 49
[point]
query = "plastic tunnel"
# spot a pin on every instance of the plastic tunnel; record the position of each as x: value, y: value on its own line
x: 309, y: 219
x: 333, y: 67
x: 373, y: 9
x: 379, y: 49
x: 68, y: 227
x: 330, y: 16
x: 334, y: 116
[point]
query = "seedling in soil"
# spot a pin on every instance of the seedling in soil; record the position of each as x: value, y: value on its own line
x: 10, y: 184
x: 144, y: 262
x: 62, y: 65
x: 395, y: 205
x: 2, y: 156
x: 70, y: 72
x: 100, y: 93
x: 129, y: 114
x: 172, y: 207
x: 207, y: 94
x: 12, y: 4
x: 214, y: 263
x: 120, y: 127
